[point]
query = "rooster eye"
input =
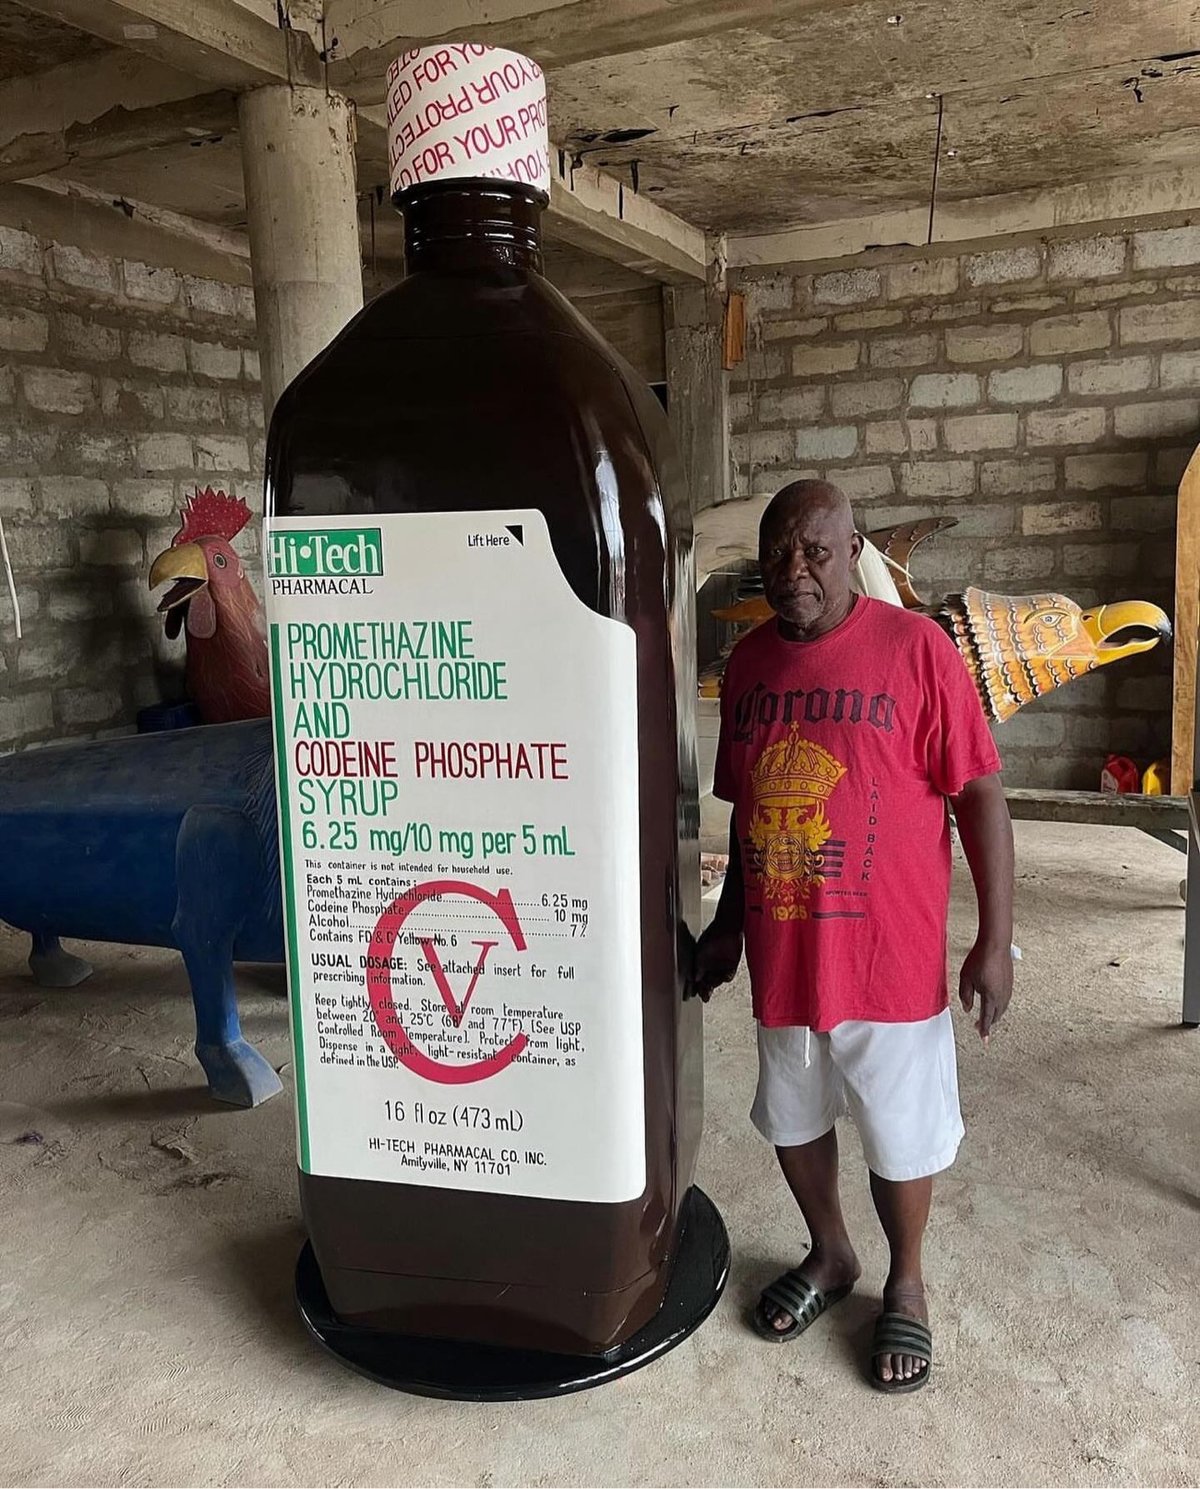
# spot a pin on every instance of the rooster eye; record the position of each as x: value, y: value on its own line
x: 219, y: 560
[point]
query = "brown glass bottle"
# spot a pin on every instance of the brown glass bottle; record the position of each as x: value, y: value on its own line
x: 474, y: 385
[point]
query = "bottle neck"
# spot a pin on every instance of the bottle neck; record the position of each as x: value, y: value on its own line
x: 472, y: 225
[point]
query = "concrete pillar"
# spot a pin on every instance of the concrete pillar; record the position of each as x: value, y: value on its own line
x: 298, y: 166
x: 697, y: 385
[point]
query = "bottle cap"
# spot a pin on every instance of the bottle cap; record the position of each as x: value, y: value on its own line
x: 458, y: 111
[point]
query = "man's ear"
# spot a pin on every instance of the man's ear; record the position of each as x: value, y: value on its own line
x: 856, y: 547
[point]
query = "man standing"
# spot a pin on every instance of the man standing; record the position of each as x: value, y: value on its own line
x: 846, y: 726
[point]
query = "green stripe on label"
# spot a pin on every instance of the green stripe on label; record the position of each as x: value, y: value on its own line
x: 289, y: 901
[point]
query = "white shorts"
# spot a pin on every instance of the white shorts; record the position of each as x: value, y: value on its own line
x: 899, y: 1082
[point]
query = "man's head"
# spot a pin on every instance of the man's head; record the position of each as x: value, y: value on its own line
x: 808, y: 548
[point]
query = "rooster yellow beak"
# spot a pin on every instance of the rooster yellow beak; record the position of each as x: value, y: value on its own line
x: 1132, y: 616
x: 185, y: 563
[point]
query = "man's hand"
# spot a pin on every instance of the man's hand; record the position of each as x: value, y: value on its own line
x: 718, y: 953
x: 988, y: 971
x: 987, y: 839
x: 719, y: 949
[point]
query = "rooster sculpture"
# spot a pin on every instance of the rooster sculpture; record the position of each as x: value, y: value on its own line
x: 212, y: 600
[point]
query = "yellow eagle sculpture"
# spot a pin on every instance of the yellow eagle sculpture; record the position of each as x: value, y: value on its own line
x: 1016, y: 647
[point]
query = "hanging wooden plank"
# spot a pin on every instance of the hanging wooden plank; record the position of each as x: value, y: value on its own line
x: 1187, y: 627
x: 734, y: 350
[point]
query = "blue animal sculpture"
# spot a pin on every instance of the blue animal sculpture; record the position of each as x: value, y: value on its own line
x: 156, y: 840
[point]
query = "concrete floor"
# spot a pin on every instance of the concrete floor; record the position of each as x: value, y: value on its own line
x: 148, y: 1334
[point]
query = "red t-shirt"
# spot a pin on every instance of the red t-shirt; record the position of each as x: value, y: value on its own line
x: 838, y: 755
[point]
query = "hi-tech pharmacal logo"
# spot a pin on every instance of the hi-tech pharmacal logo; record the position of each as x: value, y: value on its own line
x: 325, y: 561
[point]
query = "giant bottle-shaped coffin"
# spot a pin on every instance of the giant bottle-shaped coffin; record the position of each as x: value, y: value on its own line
x: 478, y: 550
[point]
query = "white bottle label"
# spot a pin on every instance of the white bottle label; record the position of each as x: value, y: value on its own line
x: 456, y: 761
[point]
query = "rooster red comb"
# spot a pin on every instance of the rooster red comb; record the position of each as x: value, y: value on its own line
x: 212, y: 514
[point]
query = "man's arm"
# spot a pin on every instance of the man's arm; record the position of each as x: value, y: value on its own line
x: 719, y: 949
x: 987, y: 838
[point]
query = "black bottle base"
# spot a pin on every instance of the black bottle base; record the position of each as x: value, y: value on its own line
x: 481, y: 1372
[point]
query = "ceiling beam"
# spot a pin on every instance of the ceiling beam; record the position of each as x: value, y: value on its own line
x: 51, y: 209
x: 59, y: 98
x: 366, y: 35
x: 588, y: 208
x: 1113, y: 200
x: 595, y: 212
x: 225, y: 241
x: 116, y: 104
x: 227, y: 44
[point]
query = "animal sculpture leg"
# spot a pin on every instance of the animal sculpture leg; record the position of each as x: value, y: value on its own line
x: 53, y: 967
x: 218, y: 869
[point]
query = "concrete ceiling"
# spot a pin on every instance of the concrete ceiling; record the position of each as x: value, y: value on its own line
x: 33, y: 42
x: 826, y: 115
x: 745, y: 116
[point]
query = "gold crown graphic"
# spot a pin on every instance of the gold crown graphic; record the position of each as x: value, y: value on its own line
x: 795, y: 770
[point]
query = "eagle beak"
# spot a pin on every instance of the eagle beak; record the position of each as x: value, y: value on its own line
x: 1126, y: 628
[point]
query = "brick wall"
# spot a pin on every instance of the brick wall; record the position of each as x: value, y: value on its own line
x: 1046, y: 394
x: 121, y: 387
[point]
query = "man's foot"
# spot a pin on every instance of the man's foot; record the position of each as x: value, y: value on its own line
x: 830, y: 1272
x: 908, y: 1300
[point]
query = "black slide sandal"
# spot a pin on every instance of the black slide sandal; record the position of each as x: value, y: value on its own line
x: 897, y: 1334
x: 794, y: 1293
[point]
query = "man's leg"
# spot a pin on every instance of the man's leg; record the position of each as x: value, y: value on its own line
x: 902, y: 1089
x: 811, y: 1171
x: 903, y: 1209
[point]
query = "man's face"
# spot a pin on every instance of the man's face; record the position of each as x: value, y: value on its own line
x: 806, y: 555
